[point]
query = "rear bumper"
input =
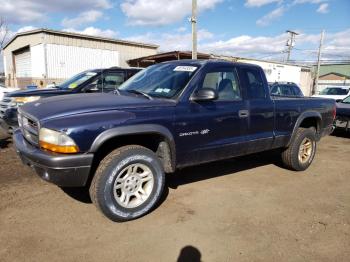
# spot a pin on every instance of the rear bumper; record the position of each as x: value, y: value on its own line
x: 62, y: 170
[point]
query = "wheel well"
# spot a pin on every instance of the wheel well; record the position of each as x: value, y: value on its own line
x: 311, y: 122
x: 155, y: 142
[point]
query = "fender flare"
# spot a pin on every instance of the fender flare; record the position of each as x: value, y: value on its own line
x: 136, y: 130
x: 301, y: 118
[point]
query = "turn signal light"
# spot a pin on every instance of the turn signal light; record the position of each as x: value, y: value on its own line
x: 59, y: 149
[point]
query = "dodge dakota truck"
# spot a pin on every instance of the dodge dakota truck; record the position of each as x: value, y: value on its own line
x: 90, y: 81
x: 168, y: 116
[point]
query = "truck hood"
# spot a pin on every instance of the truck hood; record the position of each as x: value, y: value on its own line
x: 334, y: 97
x: 38, y: 92
x: 61, y: 106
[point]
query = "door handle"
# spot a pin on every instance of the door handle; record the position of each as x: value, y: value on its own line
x: 243, y: 113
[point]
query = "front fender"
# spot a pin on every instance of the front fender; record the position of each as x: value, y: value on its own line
x: 134, y: 130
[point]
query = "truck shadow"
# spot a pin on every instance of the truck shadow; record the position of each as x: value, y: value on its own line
x: 80, y: 194
x: 4, y: 143
x: 189, y: 253
x: 222, y: 168
x: 196, y: 173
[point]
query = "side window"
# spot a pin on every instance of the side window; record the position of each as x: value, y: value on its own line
x: 106, y: 83
x: 225, y: 83
x: 94, y: 86
x: 288, y: 91
x: 276, y: 90
x: 112, y: 81
x: 297, y: 91
x: 255, y: 83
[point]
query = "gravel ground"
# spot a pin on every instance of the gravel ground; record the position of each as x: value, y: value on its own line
x: 244, y: 209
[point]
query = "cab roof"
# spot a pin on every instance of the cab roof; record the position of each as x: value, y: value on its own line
x: 203, y: 62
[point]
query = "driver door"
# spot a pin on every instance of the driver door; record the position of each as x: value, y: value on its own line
x: 215, y: 129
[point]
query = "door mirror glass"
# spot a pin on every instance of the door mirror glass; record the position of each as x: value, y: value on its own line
x: 205, y: 94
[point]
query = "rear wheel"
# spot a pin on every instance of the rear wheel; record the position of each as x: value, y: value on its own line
x: 128, y: 183
x: 301, y: 152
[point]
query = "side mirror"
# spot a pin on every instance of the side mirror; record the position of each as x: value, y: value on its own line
x: 205, y: 94
x: 338, y: 100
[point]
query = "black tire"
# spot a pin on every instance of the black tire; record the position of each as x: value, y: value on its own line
x: 290, y: 156
x: 102, y: 190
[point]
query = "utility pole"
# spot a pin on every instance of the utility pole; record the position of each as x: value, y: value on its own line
x: 318, y: 63
x: 290, y: 43
x: 194, y: 29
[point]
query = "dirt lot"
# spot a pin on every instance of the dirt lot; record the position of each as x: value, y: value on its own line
x: 245, y: 209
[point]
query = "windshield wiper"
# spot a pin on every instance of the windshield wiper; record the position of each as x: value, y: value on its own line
x: 140, y: 93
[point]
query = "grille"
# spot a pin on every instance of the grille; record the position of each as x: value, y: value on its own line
x: 29, y: 128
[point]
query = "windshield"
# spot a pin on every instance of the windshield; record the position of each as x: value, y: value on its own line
x: 334, y: 91
x: 160, y: 80
x: 346, y: 100
x: 76, y: 80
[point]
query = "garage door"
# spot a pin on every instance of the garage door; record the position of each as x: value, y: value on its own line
x: 23, y: 63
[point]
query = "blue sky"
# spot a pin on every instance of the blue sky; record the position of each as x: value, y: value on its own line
x: 248, y: 28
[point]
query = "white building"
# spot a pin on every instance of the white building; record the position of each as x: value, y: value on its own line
x: 43, y: 56
x: 281, y: 72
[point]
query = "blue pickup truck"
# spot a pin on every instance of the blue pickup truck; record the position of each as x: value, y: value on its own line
x: 168, y: 116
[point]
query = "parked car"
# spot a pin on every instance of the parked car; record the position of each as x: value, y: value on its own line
x: 168, y: 116
x: 337, y: 93
x: 91, y: 81
x: 343, y: 114
x: 285, y: 89
x: 4, y: 90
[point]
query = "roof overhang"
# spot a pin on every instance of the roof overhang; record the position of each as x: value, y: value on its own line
x: 83, y: 36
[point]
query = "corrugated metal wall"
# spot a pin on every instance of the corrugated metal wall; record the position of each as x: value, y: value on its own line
x: 65, y: 61
x: 306, y: 82
x: 38, y: 61
x: 126, y: 51
x: 36, y: 41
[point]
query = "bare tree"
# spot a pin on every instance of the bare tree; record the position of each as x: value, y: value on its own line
x: 4, y: 31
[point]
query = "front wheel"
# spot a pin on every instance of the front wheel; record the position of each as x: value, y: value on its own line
x: 128, y: 183
x: 301, y: 152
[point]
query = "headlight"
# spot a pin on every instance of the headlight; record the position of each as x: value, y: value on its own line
x: 23, y: 100
x: 57, y: 142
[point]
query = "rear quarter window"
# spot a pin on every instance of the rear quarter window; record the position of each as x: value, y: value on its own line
x: 254, y: 83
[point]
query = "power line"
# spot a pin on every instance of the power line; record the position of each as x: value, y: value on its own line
x: 317, y: 29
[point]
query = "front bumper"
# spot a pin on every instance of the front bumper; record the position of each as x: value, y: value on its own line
x: 59, y: 169
x: 8, y: 120
x: 342, y: 123
x: 5, y: 129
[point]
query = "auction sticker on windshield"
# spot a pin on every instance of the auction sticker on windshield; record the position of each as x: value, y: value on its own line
x: 185, y: 68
